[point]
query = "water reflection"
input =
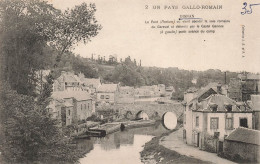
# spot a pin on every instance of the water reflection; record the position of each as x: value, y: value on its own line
x: 120, y: 147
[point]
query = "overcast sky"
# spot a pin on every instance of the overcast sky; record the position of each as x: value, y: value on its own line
x: 125, y: 34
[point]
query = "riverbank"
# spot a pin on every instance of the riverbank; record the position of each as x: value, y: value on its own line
x: 154, y: 153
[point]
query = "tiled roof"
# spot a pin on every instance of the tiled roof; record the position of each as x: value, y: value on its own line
x: 108, y: 88
x: 245, y: 135
x: 220, y: 101
x: 78, y: 95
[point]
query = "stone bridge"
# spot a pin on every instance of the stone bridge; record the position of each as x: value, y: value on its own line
x: 150, y: 109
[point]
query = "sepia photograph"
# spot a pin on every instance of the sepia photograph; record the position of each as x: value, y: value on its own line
x: 129, y: 82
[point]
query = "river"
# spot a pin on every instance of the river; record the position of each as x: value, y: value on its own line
x: 120, y: 147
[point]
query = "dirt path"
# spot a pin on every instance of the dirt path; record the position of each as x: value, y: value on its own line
x: 174, y: 142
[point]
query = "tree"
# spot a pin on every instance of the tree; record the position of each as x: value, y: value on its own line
x: 29, y: 135
x: 27, y: 27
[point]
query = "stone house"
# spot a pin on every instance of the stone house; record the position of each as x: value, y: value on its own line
x: 107, y: 94
x: 243, y: 144
x: 210, y: 117
x: 82, y: 105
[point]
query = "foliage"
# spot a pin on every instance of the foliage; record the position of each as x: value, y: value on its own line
x: 31, y: 30
x: 30, y: 135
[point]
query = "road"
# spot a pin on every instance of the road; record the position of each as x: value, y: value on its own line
x: 174, y: 142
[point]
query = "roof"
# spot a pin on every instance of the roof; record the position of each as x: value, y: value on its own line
x: 108, y: 88
x: 68, y: 77
x: 78, y: 95
x: 126, y: 88
x: 203, y: 94
x: 222, y: 102
x: 245, y: 135
x: 92, y: 81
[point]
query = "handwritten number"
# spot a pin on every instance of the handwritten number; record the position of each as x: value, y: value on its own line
x: 146, y: 6
x: 244, y: 8
x: 250, y: 10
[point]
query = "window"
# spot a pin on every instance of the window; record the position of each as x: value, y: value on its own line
x: 85, y: 106
x: 102, y: 96
x: 243, y: 122
x: 81, y: 106
x: 107, y: 96
x: 214, y: 123
x: 229, y: 123
x: 69, y: 112
x: 197, y: 121
x: 88, y: 105
x: 184, y: 118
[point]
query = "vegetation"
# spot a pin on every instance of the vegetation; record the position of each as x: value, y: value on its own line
x: 155, y: 153
x: 34, y: 36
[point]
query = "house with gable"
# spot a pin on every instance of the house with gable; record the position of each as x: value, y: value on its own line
x: 77, y: 105
x: 210, y: 117
x: 68, y: 81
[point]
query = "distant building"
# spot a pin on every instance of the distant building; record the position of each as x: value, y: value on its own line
x: 243, y: 144
x: 108, y: 94
x: 67, y: 81
x: 210, y: 117
x: 150, y: 91
x: 169, y: 90
x: 91, y: 84
x: 126, y: 95
x: 245, y: 85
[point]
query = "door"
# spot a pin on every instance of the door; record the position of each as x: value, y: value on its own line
x: 198, y: 140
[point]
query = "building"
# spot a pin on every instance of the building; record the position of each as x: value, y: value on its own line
x: 126, y: 95
x: 255, y: 105
x: 169, y: 90
x: 143, y: 93
x: 245, y: 85
x: 108, y: 94
x: 90, y: 83
x: 67, y: 81
x: 76, y: 106
x: 54, y: 109
x: 243, y: 144
x: 210, y: 117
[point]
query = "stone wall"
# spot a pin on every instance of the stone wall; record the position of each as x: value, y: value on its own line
x: 241, y: 151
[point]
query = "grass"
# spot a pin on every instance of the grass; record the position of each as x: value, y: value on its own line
x: 155, y: 153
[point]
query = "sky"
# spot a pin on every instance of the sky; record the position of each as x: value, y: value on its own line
x: 125, y: 33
